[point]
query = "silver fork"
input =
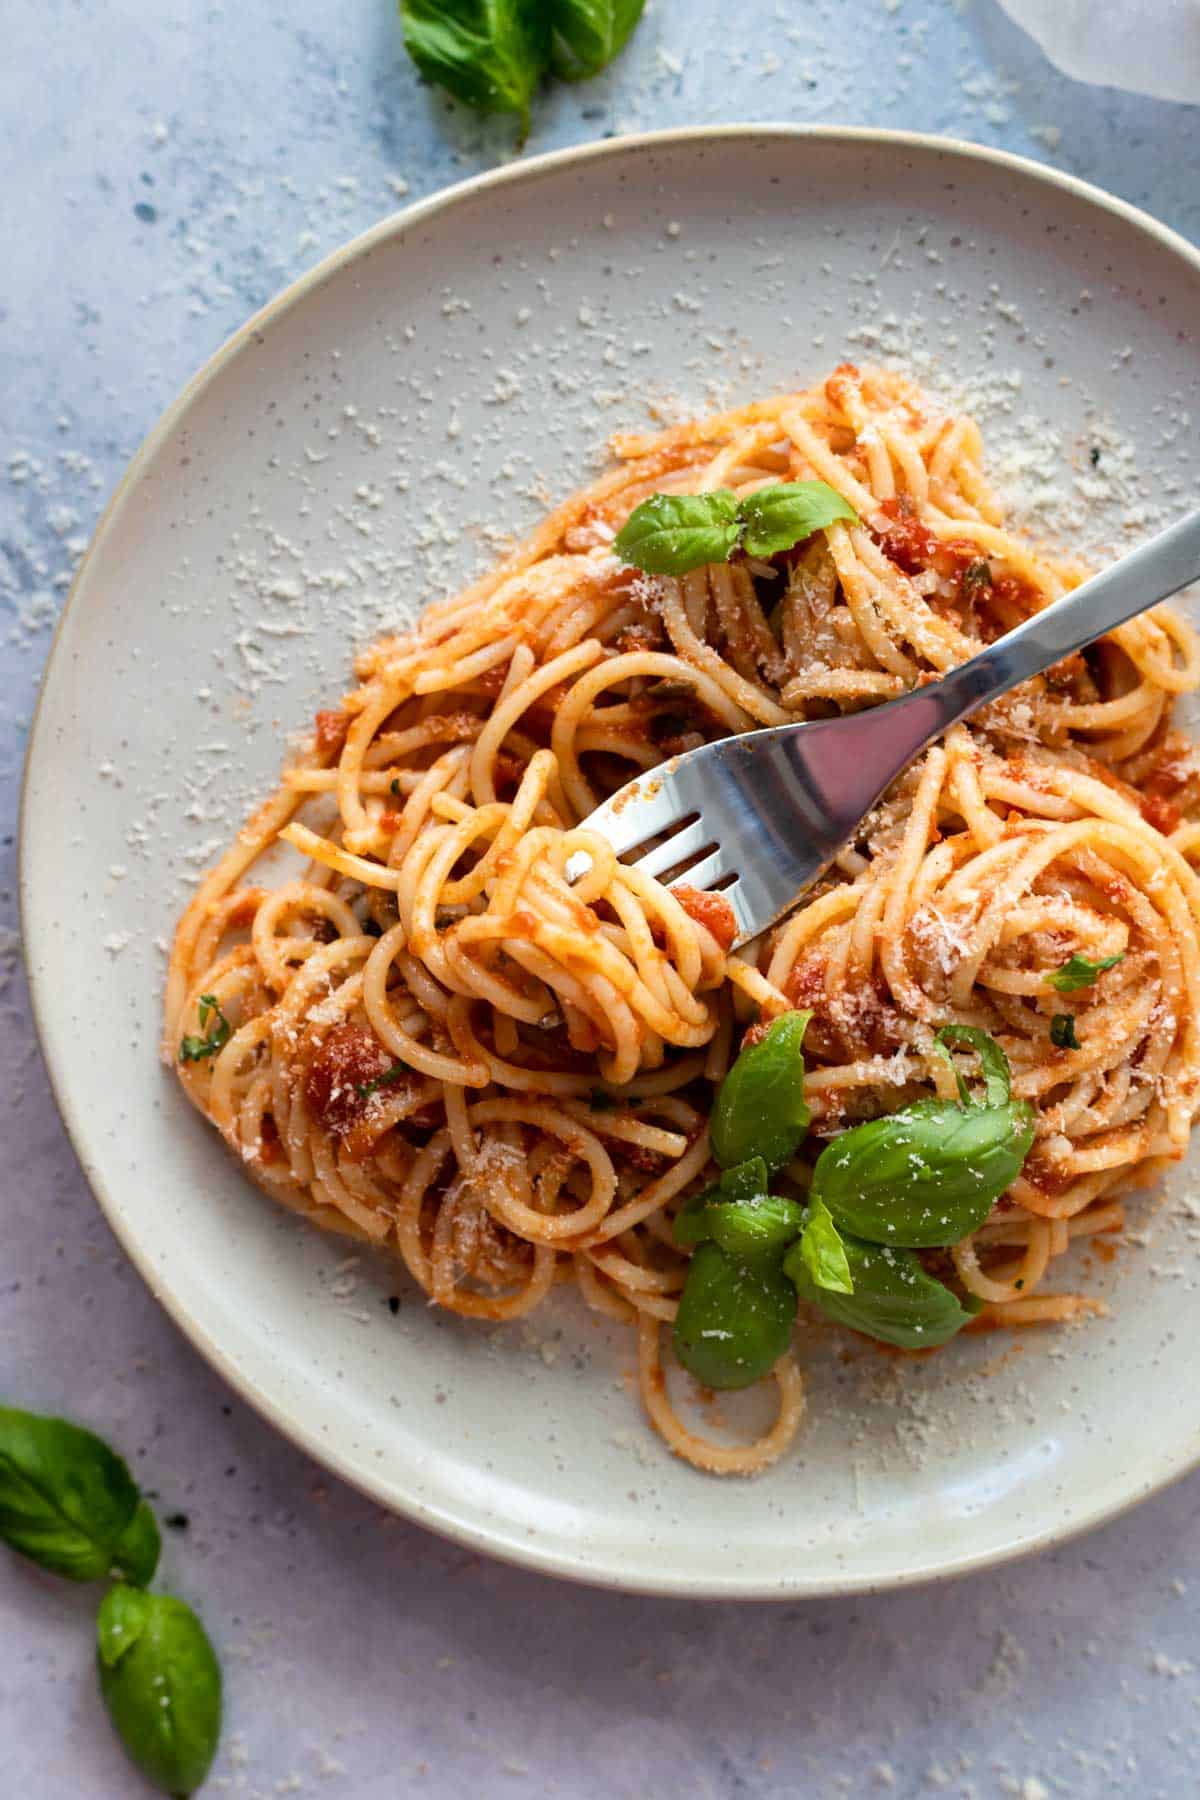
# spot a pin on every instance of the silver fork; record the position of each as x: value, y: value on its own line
x: 767, y: 812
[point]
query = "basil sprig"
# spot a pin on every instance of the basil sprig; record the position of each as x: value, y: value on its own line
x: 493, y: 53
x: 894, y: 1299
x: 672, y: 533
x: 69, y: 1503
x: 925, y: 1176
x: 930, y: 1173
x: 161, y: 1684
x: 1081, y: 972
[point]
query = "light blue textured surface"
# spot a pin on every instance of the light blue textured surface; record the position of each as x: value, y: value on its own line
x: 167, y: 168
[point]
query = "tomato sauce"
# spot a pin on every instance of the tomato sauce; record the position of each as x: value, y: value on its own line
x: 712, y: 911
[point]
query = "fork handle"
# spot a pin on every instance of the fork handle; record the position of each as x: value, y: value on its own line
x: 1140, y: 580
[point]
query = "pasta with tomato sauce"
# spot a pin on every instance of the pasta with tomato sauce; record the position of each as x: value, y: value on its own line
x: 433, y: 1039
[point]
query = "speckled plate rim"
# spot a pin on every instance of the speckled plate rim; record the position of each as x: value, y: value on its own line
x: 491, y: 1539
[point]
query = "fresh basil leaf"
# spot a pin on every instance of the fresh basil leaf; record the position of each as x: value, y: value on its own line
x: 691, y: 1223
x: 894, y: 1299
x: 734, y: 1320
x: 997, y: 1076
x: 776, y: 517
x: 161, y: 1684
x: 137, y: 1550
x: 926, y: 1175
x: 489, y: 53
x: 823, y: 1252
x: 216, y: 1027
x: 589, y: 33
x: 750, y: 1230
x: 1080, y: 972
x: 69, y: 1503
x: 1062, y: 1032
x: 760, y: 1109
x: 747, y: 1180
x: 672, y: 533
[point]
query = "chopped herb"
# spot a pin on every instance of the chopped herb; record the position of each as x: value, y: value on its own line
x: 364, y: 1089
x: 1080, y: 971
x: 1062, y: 1032
x: 599, y: 1101
x: 396, y: 788
x: 975, y: 577
x: 393, y: 1304
x: 1094, y: 456
x: 177, y: 1521
x: 217, y: 1031
x: 1019, y: 1282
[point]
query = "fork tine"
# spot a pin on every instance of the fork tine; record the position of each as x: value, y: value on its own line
x: 708, y: 870
x: 676, y: 849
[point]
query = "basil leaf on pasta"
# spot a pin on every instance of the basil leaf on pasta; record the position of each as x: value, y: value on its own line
x: 753, y: 1229
x: 589, y: 33
x: 893, y: 1297
x: 1081, y: 972
x: 925, y: 1176
x: 489, y: 53
x: 1062, y: 1032
x: 672, y: 533
x: 760, y: 1109
x: 997, y: 1076
x: 734, y: 1320
x: 823, y: 1252
x: 776, y: 517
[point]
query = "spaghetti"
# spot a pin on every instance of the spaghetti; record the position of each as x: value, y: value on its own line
x: 430, y: 1038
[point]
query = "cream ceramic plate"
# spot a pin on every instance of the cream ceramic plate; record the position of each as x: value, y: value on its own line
x: 356, y: 446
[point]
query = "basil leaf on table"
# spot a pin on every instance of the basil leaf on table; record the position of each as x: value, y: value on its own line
x: 69, y: 1503
x: 589, y: 33
x: 489, y: 53
x: 785, y: 513
x: 161, y: 1684
x: 823, y: 1252
x: 734, y: 1320
x: 1081, y: 972
x: 672, y: 533
x: 760, y: 1109
x: 894, y: 1299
